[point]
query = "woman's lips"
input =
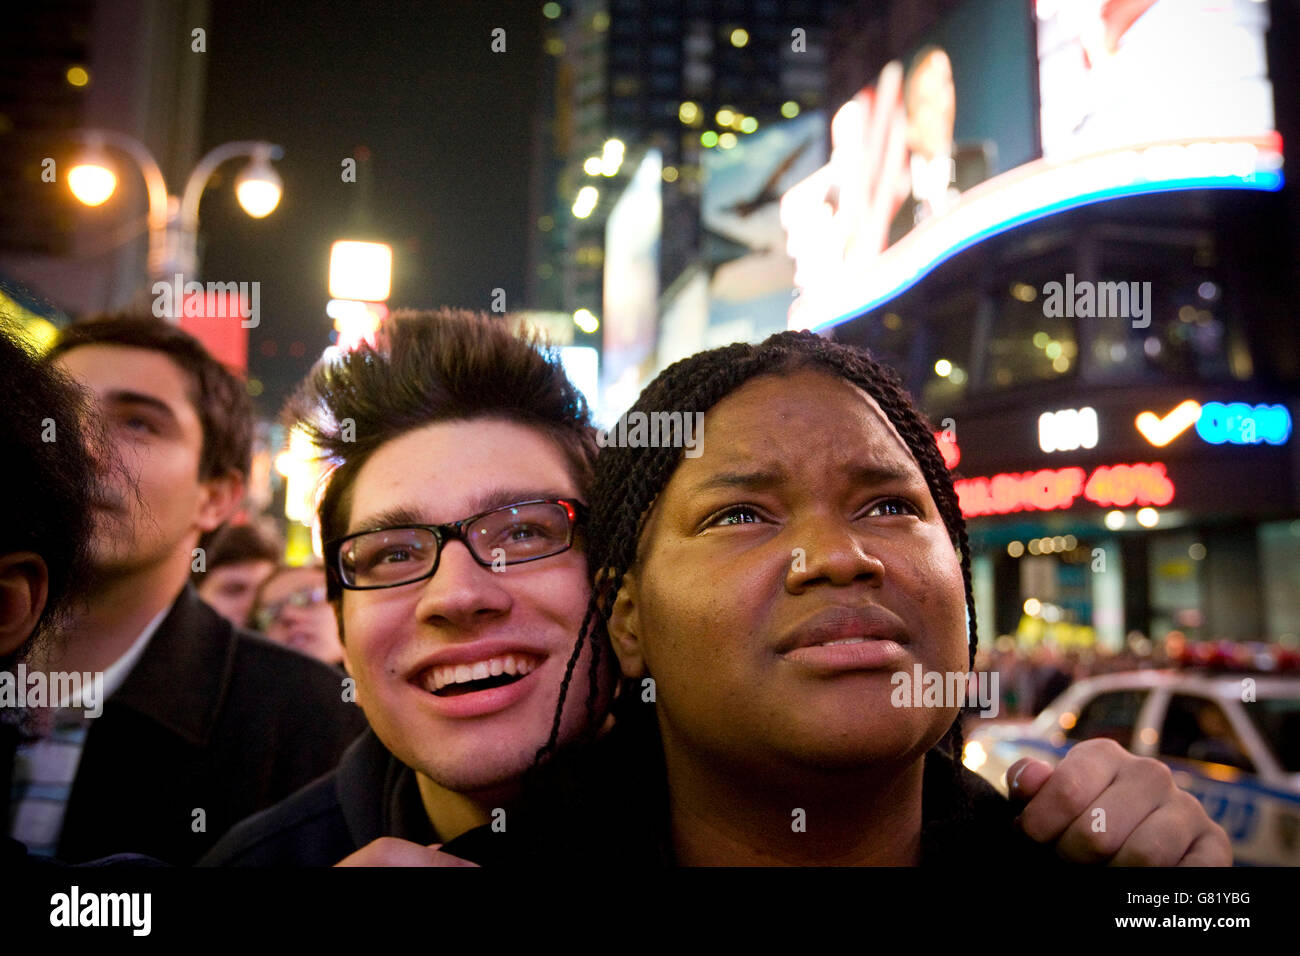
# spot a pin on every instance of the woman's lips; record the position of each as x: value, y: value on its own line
x: 854, y: 654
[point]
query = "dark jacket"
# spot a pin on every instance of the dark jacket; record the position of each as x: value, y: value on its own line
x: 370, y: 794
x: 607, y: 808
x: 211, y: 725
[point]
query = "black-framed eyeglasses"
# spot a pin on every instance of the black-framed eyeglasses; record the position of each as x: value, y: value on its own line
x: 516, y: 534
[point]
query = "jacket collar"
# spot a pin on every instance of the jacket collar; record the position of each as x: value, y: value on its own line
x: 379, y: 795
x: 183, y: 675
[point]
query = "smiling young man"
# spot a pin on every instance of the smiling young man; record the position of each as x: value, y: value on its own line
x: 452, y: 525
x: 201, y: 724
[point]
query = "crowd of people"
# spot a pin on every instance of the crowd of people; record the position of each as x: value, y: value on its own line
x: 636, y: 657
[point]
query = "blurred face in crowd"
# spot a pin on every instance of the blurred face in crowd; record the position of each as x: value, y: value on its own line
x: 145, y: 399
x: 292, y: 610
x: 514, y: 628
x: 231, y: 589
x: 783, y: 577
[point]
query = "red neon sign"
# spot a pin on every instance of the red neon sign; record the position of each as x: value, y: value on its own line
x: 947, y: 443
x: 1110, y: 486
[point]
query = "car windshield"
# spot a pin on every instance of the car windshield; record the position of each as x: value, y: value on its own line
x: 1278, y: 721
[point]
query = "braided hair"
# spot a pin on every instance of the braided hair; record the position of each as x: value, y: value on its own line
x: 628, y: 480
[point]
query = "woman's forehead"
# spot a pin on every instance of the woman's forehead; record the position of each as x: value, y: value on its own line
x: 780, y: 415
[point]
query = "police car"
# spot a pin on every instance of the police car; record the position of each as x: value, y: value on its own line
x: 1232, y: 740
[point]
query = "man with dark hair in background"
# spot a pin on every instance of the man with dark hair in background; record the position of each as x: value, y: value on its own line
x: 201, y: 724
x: 238, y: 560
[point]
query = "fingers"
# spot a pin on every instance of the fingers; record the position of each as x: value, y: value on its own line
x: 1103, y: 804
x: 1026, y: 777
x: 390, y: 851
x: 1211, y: 848
x: 1166, y: 837
x: 1132, y: 807
x: 1082, y: 776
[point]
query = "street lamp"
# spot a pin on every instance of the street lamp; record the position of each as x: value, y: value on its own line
x: 174, y: 223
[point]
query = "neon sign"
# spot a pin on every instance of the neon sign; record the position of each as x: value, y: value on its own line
x: 1049, y: 489
x: 1242, y: 424
x: 1235, y: 424
x: 1067, y: 430
x: 947, y: 443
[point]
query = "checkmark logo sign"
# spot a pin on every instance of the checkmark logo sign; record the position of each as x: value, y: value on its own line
x: 1161, y: 431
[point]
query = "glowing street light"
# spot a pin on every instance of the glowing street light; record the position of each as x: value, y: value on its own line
x: 173, y: 222
x: 92, y: 182
x: 258, y: 186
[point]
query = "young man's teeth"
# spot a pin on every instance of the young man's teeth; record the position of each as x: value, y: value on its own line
x: 851, y: 640
x: 440, y: 677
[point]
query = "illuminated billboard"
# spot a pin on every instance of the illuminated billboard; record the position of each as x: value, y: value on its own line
x: 1148, y: 71
x: 940, y: 152
x: 750, y: 273
x: 631, y: 292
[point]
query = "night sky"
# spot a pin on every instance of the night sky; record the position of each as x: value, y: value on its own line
x: 448, y: 126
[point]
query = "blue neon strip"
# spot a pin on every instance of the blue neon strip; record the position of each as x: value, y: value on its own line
x: 1265, y: 181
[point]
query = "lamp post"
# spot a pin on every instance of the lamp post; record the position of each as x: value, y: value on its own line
x: 173, y: 222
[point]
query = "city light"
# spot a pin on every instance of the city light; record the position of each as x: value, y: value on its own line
x: 611, y: 157
x: 688, y: 113
x: 727, y: 140
x: 725, y: 116
x: 1033, y: 607
x: 739, y: 37
x: 92, y: 183
x: 258, y: 187
x: 586, y: 321
x: 973, y: 755
x: 943, y: 368
x: 789, y: 109
x: 1148, y: 517
x: 708, y: 139
x: 670, y: 174
x: 1115, y: 520
x: 77, y: 76
x: 361, y: 270
x: 551, y: 11
x: 748, y: 124
x: 585, y: 203
x: 592, y: 166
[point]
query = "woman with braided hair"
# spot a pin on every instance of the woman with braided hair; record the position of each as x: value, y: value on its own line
x: 761, y: 599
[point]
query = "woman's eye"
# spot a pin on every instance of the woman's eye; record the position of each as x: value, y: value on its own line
x: 740, y: 514
x: 893, y: 506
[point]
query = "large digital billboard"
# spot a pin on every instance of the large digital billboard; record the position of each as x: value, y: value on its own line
x: 950, y: 144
